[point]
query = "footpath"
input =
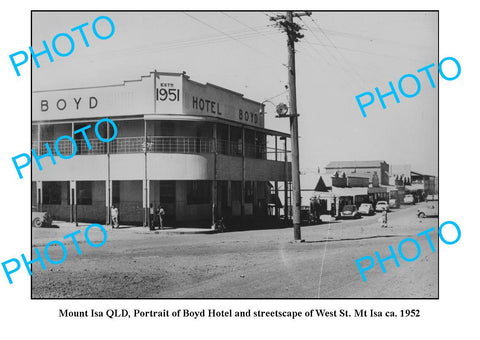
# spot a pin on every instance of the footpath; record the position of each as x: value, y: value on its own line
x: 59, y: 229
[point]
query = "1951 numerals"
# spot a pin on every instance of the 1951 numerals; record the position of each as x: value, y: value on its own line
x: 170, y: 94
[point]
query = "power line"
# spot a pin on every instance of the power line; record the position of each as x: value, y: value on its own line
x: 317, y: 52
x: 371, y: 53
x: 309, y: 55
x: 333, y: 56
x: 345, y: 59
x: 347, y: 63
x: 316, y: 37
x: 196, y: 42
x: 278, y: 95
x: 249, y: 27
x: 349, y: 35
x: 178, y: 44
x: 269, y: 16
x: 321, y: 30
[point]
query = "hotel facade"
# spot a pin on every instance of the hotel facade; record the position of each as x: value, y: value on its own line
x: 199, y: 150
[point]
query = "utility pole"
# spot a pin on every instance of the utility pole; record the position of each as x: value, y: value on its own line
x: 287, y: 25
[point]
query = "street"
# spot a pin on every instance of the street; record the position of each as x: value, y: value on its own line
x: 137, y: 263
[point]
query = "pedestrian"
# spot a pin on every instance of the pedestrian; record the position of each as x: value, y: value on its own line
x: 156, y: 223
x: 112, y: 222
x: 161, y: 214
x: 150, y: 217
x: 384, y: 218
x: 114, y: 212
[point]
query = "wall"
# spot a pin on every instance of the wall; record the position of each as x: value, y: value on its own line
x: 160, y: 166
x: 188, y: 212
x: 127, y: 166
x: 265, y: 170
x: 131, y: 98
x: 96, y: 212
x: 223, y: 103
x: 86, y: 168
x: 382, y: 171
x: 58, y: 212
x: 172, y: 166
x: 358, y: 181
x: 130, y: 208
x: 229, y: 168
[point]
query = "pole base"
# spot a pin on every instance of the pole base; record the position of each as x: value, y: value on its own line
x: 298, y: 241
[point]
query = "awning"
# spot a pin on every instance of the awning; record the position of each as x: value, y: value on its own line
x: 379, y: 190
x: 350, y: 191
x: 415, y: 187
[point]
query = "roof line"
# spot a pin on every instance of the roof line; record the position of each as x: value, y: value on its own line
x: 96, y: 87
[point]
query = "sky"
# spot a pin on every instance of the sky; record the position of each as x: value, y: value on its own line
x: 342, y: 55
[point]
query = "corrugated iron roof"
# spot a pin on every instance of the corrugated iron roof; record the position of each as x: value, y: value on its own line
x: 354, y: 164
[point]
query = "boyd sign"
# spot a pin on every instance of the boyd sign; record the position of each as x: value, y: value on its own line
x: 62, y: 103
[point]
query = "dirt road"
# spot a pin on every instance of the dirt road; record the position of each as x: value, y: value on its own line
x: 135, y: 263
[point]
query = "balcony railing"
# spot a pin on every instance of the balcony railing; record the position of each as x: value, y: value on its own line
x: 127, y: 145
x: 160, y: 144
x: 64, y: 147
x: 231, y: 148
x: 179, y: 144
x: 97, y: 147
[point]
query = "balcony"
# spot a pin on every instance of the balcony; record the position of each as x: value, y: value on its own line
x: 161, y: 144
x: 65, y: 147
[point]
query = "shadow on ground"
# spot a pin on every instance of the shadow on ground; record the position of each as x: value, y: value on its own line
x: 353, y: 239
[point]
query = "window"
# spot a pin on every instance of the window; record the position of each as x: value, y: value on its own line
x: 84, y: 193
x: 236, y: 191
x: 167, y: 192
x: 199, y: 192
x: 52, y: 193
x: 115, y: 192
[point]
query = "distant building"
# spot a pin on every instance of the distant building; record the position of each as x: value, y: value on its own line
x: 380, y: 168
x: 423, y: 183
x: 399, y: 172
x: 336, y: 188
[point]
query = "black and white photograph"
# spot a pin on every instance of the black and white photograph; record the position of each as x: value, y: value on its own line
x: 235, y: 154
x: 237, y: 170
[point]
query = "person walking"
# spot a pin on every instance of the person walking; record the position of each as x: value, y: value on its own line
x: 150, y: 217
x: 156, y: 221
x: 114, y: 213
x: 384, y: 218
x: 161, y: 214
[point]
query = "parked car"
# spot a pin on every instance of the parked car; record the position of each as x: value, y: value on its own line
x: 429, y: 209
x: 306, y: 217
x: 394, y: 203
x: 350, y: 211
x: 366, y: 209
x: 41, y: 219
x: 408, y: 199
x: 382, y: 205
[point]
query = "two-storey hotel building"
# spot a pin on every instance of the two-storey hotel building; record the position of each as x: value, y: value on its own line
x: 199, y: 150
